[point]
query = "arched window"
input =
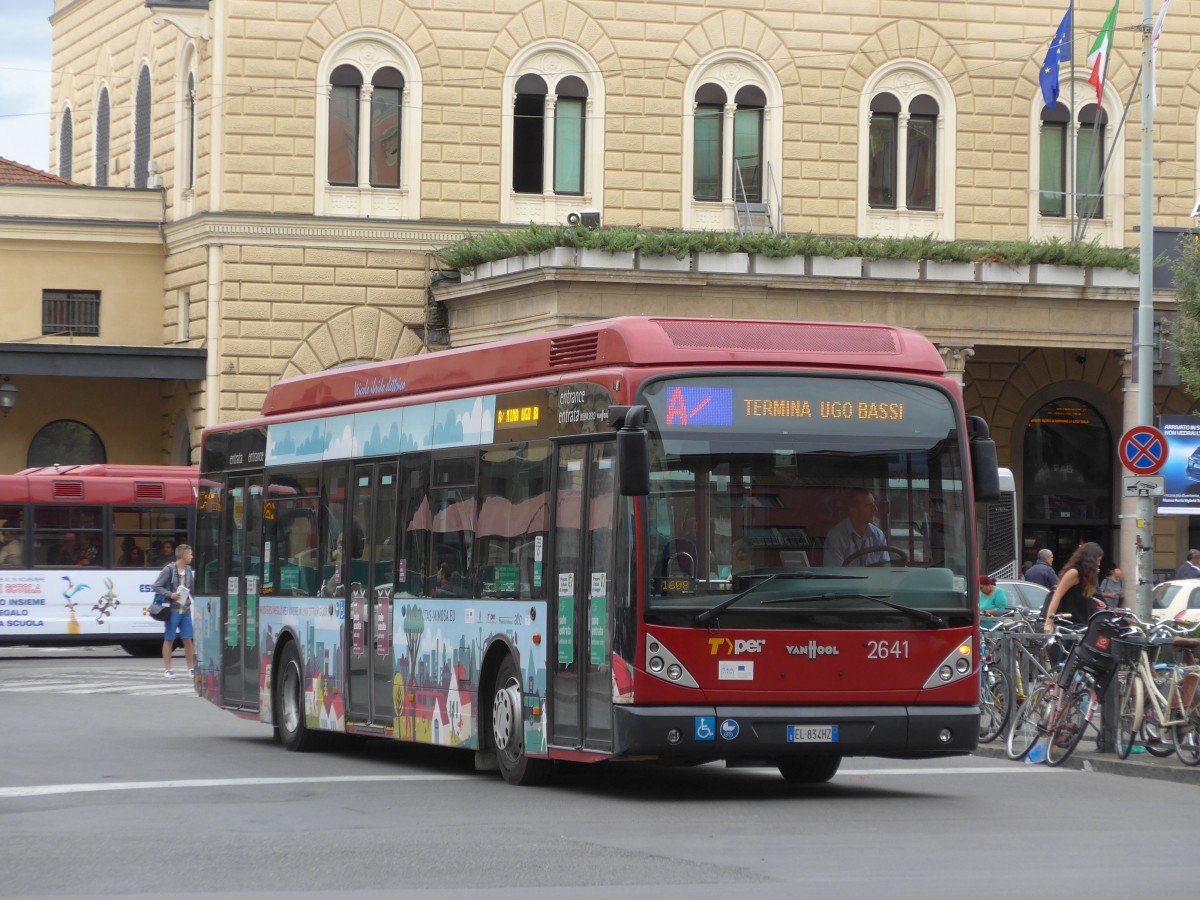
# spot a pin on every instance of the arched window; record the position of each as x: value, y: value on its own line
x: 529, y: 134
x: 1052, y: 150
x: 344, y: 87
x: 189, y: 133
x: 1089, y: 162
x: 141, y: 130
x: 65, y: 442
x: 1074, y: 164
x: 66, y: 145
x: 906, y: 181
x: 369, y: 156
x: 733, y: 139
x: 1067, y: 490
x: 706, y: 142
x: 102, y: 122
x: 552, y: 156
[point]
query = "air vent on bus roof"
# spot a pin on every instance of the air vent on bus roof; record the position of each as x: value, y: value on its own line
x: 773, y: 337
x: 149, y: 490
x: 574, y: 350
x: 68, y: 490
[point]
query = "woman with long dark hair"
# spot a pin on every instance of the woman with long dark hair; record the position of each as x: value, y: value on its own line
x: 1076, y: 586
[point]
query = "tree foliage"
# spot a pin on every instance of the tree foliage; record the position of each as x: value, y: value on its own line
x: 1185, y: 332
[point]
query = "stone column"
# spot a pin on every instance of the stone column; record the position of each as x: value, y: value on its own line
x: 955, y: 357
x: 548, y: 145
x: 364, y: 135
x: 727, y: 160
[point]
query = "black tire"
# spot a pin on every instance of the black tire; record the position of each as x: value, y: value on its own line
x: 144, y: 649
x: 1068, y: 725
x: 1129, y: 703
x: 293, y: 733
x: 1023, y: 730
x: 1156, y: 738
x: 808, y: 769
x: 1187, y: 743
x: 995, y: 704
x: 506, y: 729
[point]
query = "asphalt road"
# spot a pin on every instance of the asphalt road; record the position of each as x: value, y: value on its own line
x: 114, y: 781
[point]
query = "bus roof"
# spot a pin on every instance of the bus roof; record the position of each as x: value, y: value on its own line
x: 627, y: 341
x: 99, y: 483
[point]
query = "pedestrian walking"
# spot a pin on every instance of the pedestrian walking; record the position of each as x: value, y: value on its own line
x: 1190, y: 567
x: 1042, y: 571
x: 1112, y: 589
x: 175, y: 584
x: 1076, y: 587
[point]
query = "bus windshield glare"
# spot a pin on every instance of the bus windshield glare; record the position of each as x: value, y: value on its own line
x: 823, y: 501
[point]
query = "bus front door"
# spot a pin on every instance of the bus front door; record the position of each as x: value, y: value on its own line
x: 580, y: 705
x: 241, y: 548
x: 370, y: 547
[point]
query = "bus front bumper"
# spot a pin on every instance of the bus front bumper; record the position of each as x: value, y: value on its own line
x: 771, y: 732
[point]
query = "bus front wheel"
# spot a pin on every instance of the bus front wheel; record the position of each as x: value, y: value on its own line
x: 809, y: 769
x: 294, y: 734
x: 508, y: 729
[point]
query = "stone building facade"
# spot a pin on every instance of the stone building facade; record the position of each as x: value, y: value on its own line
x: 310, y: 154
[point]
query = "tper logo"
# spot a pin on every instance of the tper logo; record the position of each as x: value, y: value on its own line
x: 733, y: 648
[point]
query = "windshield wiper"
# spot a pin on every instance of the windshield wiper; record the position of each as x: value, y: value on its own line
x: 715, y: 611
x: 884, y: 599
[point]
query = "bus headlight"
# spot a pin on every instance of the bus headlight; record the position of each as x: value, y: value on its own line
x: 662, y: 663
x: 656, y: 664
x: 958, y: 664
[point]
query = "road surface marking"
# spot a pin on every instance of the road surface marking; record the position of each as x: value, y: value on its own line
x: 43, y: 790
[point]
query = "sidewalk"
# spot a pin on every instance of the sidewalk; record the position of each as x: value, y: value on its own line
x: 1139, y: 765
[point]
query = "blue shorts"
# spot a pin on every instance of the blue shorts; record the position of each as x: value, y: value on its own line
x: 179, y: 625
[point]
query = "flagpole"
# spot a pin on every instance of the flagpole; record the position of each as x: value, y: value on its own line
x: 1072, y: 138
x: 1145, y: 336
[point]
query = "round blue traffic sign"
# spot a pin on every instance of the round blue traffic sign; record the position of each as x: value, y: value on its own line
x: 1143, y: 450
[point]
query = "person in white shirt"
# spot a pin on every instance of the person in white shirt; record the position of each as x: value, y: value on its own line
x: 855, y: 533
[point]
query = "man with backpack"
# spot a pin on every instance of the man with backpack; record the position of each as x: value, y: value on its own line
x: 174, y: 585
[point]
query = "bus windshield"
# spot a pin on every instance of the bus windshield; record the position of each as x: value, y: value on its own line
x: 822, y: 501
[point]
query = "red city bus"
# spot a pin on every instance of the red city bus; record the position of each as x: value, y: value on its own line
x: 684, y: 540
x: 80, y: 547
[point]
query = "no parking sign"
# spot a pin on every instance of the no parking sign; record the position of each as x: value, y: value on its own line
x: 1143, y: 450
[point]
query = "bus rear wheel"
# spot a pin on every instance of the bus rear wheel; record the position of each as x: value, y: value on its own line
x: 508, y: 729
x: 294, y: 734
x: 808, y: 769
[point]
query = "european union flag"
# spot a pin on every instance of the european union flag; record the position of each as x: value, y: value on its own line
x: 1054, y: 56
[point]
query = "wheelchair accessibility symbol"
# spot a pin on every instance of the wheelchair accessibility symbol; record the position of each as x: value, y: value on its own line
x: 706, y: 728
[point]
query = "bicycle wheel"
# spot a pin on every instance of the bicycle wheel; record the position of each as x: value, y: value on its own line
x: 1129, y: 716
x: 1187, y: 742
x: 995, y: 704
x: 1023, y: 729
x: 1068, y: 722
x: 1158, y: 740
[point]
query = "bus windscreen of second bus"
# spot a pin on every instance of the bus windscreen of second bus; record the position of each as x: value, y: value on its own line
x: 751, y: 475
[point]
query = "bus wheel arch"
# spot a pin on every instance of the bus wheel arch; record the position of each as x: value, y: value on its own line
x: 287, y: 700
x: 501, y: 720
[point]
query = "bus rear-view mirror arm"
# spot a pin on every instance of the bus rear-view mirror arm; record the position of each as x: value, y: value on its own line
x: 633, y: 449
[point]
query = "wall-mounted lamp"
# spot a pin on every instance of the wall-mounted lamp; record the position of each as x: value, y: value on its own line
x: 8, y: 395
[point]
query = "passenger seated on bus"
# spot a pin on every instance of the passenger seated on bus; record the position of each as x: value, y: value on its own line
x: 132, y: 556
x: 88, y: 553
x: 447, y: 583
x: 68, y: 551
x: 11, y: 551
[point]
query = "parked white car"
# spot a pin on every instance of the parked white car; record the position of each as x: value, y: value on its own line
x: 1179, y: 600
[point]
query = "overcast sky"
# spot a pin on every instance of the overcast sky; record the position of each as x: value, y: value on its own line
x: 25, y: 81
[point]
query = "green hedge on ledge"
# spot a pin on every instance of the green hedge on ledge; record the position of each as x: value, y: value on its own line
x: 494, y: 245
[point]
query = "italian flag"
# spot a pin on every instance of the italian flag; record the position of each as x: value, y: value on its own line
x: 1098, y: 57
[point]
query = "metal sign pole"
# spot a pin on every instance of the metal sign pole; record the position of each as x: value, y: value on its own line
x: 1145, y: 344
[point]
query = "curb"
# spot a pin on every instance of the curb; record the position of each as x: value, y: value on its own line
x: 1168, y: 769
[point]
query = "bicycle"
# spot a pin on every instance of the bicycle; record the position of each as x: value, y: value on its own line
x: 1061, y: 709
x: 995, y: 688
x: 1154, y: 706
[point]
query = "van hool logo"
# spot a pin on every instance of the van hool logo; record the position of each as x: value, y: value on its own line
x: 812, y: 650
x: 381, y: 385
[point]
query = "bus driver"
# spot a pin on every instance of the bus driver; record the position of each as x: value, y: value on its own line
x: 856, y: 533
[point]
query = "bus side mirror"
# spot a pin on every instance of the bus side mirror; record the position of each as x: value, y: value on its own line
x: 633, y: 450
x: 985, y: 470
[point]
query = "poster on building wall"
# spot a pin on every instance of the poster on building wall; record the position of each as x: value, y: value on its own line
x: 1182, y: 469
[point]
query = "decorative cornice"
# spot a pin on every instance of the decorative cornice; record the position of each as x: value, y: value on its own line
x: 308, y: 231
x: 189, y: 16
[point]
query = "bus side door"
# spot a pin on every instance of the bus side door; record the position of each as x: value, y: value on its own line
x: 580, y: 706
x: 241, y: 549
